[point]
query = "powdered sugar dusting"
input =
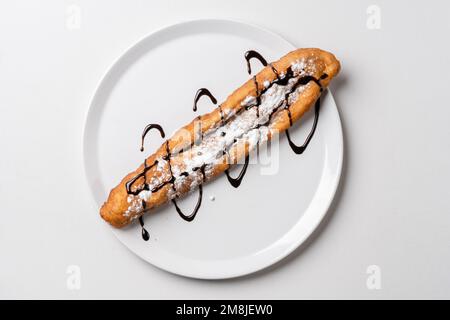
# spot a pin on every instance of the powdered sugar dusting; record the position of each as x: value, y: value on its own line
x: 250, y: 126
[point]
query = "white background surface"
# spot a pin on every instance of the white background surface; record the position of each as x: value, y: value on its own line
x: 392, y: 209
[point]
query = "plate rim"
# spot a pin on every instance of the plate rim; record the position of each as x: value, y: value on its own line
x: 219, y: 275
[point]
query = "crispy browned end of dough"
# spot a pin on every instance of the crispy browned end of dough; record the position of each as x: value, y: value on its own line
x: 325, y: 62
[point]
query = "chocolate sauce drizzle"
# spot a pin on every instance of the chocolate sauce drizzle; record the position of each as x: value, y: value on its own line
x: 284, y: 81
x: 147, y: 129
x: 200, y: 93
x: 191, y: 217
x: 144, y: 232
x: 252, y: 54
x: 235, y: 182
x: 302, y: 148
x: 203, y: 92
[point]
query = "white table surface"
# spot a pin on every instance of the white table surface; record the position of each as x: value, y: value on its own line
x: 392, y: 209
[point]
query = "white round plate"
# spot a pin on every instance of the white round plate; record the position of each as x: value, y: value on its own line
x: 236, y: 231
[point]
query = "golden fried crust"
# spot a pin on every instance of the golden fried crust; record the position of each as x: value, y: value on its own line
x: 324, y: 63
